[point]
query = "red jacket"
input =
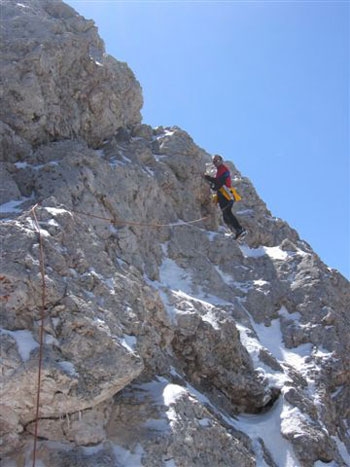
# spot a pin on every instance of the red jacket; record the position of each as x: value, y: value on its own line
x: 221, y: 183
x: 223, y: 176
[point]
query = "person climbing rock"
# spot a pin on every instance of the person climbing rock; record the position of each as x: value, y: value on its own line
x: 226, y: 195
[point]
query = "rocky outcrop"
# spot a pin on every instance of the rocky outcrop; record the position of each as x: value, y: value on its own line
x: 57, y: 80
x: 166, y: 343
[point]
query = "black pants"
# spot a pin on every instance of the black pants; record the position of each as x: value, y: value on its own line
x: 230, y: 220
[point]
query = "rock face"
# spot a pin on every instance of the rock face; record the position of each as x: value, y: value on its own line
x: 57, y: 80
x: 165, y: 342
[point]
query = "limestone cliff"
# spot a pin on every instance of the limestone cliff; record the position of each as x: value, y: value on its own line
x: 166, y: 343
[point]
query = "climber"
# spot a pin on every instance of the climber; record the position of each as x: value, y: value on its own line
x: 225, y: 195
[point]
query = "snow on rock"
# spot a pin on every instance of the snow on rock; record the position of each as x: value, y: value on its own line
x: 166, y: 343
x: 265, y: 430
x: 24, y: 340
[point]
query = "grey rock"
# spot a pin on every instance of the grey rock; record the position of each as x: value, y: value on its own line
x: 164, y: 340
x: 44, y: 43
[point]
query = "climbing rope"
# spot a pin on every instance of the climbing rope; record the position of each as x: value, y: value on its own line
x: 41, y: 332
x: 43, y: 292
x: 138, y: 224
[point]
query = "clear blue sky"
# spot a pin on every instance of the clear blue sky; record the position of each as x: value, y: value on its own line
x: 264, y: 83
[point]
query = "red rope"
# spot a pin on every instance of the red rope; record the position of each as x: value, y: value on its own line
x: 138, y: 224
x: 43, y: 297
x: 41, y: 334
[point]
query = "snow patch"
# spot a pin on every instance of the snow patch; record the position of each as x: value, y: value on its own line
x: 166, y: 132
x: 24, y: 340
x: 326, y: 464
x: 129, y: 342
x: 172, y: 392
x: 227, y: 278
x: 169, y: 463
x: 56, y: 211
x: 50, y: 340
x: 341, y: 448
x: 253, y: 346
x: 271, y: 338
x: 68, y: 368
x: 292, y: 419
x: 13, y: 206
x: 251, y: 252
x: 21, y: 165
x: 127, y: 458
x: 212, y: 320
x: 268, y: 428
x: 174, y: 277
x: 274, y: 252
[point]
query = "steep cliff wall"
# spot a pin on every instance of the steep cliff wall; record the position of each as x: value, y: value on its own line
x: 58, y: 82
x: 166, y: 343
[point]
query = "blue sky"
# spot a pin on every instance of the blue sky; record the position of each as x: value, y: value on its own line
x: 264, y: 83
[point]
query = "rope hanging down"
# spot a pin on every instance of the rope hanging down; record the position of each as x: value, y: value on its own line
x: 41, y: 332
x: 43, y: 293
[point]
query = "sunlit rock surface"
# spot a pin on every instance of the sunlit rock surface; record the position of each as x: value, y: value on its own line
x: 166, y: 343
